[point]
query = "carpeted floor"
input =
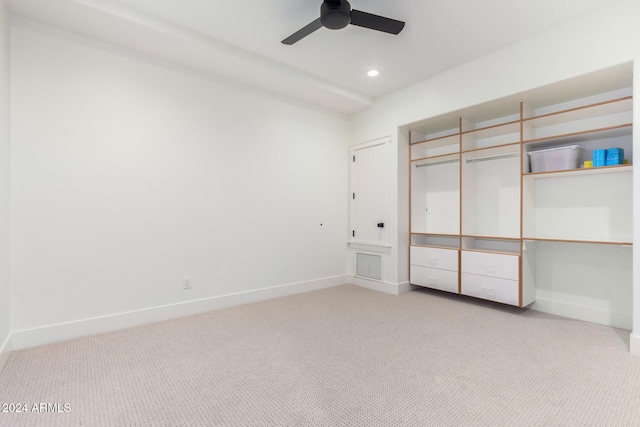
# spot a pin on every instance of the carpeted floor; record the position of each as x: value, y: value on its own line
x: 344, y: 356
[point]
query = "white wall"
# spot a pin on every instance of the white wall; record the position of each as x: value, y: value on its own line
x: 594, y: 42
x: 5, y: 328
x: 127, y: 176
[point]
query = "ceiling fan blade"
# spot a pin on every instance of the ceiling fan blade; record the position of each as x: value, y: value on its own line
x: 303, y: 32
x: 375, y: 22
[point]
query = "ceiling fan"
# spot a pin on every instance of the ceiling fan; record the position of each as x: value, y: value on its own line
x: 337, y: 14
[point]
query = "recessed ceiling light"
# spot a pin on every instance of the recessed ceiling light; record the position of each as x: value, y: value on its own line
x: 373, y: 73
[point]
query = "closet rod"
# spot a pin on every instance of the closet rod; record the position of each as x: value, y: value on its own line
x: 492, y: 157
x: 441, y: 162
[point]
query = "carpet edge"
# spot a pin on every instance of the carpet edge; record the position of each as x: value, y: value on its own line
x: 64, y: 331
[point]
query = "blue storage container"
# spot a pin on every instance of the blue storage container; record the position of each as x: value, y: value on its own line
x: 614, y: 156
x: 599, y: 157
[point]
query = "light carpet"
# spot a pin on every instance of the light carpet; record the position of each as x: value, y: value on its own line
x: 344, y: 356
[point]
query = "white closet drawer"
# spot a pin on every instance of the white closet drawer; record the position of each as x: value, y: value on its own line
x: 446, y: 259
x: 493, y: 265
x: 434, y: 278
x: 490, y: 288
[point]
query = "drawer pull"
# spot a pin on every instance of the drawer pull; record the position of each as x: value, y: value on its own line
x: 489, y: 291
x: 433, y: 261
x: 489, y: 268
x: 432, y: 280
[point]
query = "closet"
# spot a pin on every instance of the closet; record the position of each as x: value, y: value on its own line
x: 486, y: 224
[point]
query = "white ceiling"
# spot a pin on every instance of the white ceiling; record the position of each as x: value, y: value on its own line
x: 240, y: 40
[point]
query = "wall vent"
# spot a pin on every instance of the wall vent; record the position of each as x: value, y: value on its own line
x: 369, y: 266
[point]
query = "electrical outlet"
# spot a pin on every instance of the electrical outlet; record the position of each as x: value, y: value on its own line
x: 186, y: 282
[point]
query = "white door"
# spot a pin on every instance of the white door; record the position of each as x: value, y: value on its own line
x: 370, y: 193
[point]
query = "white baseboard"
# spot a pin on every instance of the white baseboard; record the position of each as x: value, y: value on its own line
x: 386, y: 287
x: 580, y: 312
x: 405, y: 287
x: 634, y: 345
x: 65, y: 331
x: 5, y: 350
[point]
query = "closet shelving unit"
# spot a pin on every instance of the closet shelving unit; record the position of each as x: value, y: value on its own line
x: 483, y: 225
x: 604, y: 193
x: 435, y: 217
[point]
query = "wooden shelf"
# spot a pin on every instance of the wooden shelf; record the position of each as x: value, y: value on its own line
x: 441, y: 146
x: 420, y: 233
x: 456, y: 248
x: 434, y: 240
x: 613, y: 106
x: 440, y: 141
x: 581, y: 171
x: 492, y: 251
x: 491, y: 244
x: 595, y: 242
x: 576, y: 137
x: 494, y: 130
x: 491, y: 136
x: 492, y: 237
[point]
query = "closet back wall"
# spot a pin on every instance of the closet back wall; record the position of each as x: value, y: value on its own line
x: 127, y: 176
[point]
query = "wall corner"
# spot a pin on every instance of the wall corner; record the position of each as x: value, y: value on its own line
x: 5, y: 352
x: 634, y: 344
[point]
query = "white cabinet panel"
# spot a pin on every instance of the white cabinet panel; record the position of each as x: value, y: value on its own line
x: 490, y: 288
x: 491, y: 265
x: 435, y: 197
x: 434, y: 278
x: 446, y: 259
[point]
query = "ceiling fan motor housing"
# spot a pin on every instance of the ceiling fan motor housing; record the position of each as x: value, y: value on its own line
x: 335, y: 14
